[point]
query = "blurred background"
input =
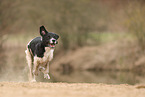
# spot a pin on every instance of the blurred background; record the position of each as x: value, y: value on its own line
x: 101, y: 41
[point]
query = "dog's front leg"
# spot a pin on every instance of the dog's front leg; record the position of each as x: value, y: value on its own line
x: 46, y: 71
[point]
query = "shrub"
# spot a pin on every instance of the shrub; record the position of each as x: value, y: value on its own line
x: 136, y: 21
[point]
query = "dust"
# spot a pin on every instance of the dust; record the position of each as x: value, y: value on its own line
x: 14, y: 75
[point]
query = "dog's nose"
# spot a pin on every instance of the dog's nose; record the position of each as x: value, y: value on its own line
x: 53, y: 41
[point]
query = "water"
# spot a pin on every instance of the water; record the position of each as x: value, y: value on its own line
x: 97, y: 77
x: 108, y: 77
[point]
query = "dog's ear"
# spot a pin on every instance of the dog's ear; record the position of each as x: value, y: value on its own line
x: 43, y: 31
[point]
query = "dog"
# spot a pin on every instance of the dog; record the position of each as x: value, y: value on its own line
x: 40, y: 52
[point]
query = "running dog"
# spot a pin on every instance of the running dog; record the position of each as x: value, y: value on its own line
x: 40, y: 52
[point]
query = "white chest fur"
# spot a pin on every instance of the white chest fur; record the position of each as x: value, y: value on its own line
x: 48, y: 56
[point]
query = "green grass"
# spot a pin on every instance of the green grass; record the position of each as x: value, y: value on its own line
x: 109, y: 37
x: 101, y: 38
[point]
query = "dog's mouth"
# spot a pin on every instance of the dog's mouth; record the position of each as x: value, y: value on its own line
x: 51, y: 45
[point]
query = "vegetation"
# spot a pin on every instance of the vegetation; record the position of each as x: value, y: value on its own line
x: 79, y: 23
x: 72, y: 20
x: 136, y: 22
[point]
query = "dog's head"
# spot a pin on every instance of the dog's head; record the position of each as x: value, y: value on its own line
x: 49, y: 39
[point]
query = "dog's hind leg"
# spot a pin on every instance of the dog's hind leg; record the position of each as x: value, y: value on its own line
x: 36, y: 66
x: 29, y: 61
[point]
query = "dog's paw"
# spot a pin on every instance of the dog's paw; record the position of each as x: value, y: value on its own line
x: 33, y: 80
x: 35, y: 73
x: 46, y: 76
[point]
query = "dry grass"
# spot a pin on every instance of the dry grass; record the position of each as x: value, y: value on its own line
x: 13, y: 89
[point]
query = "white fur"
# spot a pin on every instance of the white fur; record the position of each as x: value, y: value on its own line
x: 39, y: 63
x: 29, y: 61
x: 52, y: 41
x: 48, y: 56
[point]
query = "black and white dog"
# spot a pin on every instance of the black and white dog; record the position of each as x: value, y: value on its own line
x: 40, y: 52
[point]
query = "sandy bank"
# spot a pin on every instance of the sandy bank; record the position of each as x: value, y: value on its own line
x: 25, y: 89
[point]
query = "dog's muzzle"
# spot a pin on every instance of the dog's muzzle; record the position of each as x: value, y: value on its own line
x: 52, y: 43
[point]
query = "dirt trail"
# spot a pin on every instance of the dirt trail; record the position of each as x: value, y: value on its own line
x: 26, y: 89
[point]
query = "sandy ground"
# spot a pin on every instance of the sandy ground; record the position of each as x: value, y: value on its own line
x: 26, y: 89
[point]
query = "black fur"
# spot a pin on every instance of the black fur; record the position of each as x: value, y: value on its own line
x: 38, y: 44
